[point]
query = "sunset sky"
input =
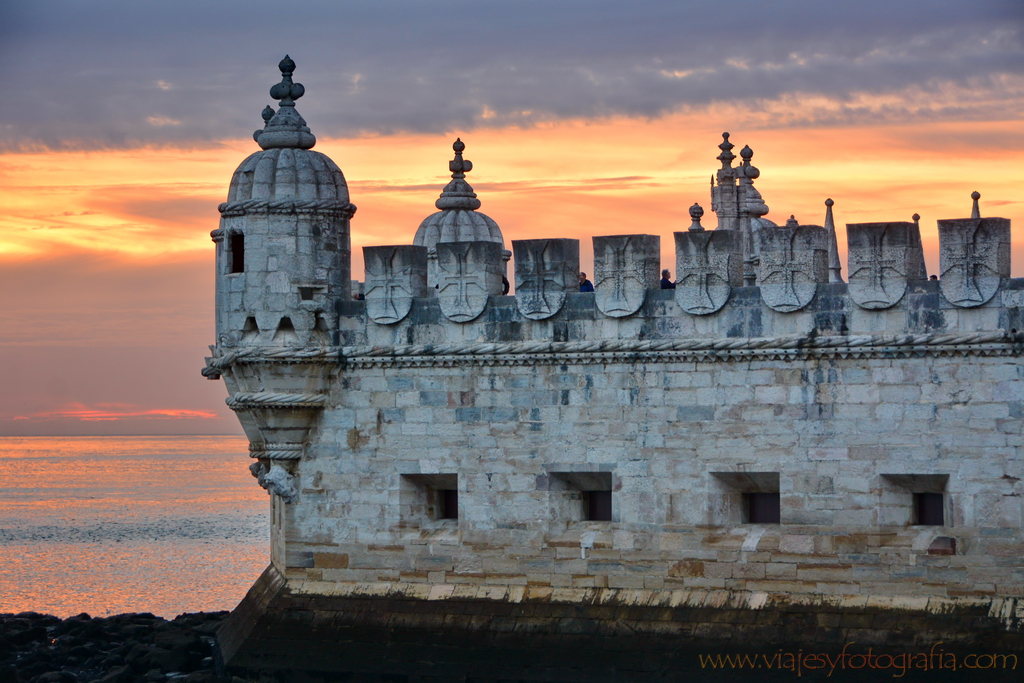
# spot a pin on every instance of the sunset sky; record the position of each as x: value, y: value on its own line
x: 122, y: 122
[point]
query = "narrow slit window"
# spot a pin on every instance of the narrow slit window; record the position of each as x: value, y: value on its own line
x: 237, y: 252
x: 449, y: 503
x: 763, y: 508
x: 598, y: 505
x: 930, y: 509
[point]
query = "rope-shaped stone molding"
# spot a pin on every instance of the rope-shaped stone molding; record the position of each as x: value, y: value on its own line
x: 352, y: 353
x: 346, y: 209
x: 276, y: 451
x: 273, y: 399
x: 995, y: 342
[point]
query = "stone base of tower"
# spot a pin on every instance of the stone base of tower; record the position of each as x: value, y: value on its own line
x: 294, y: 630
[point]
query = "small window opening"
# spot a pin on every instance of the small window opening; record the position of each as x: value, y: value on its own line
x: 598, y: 506
x: 306, y: 293
x: 929, y: 509
x: 449, y: 503
x: 763, y: 508
x: 236, y: 248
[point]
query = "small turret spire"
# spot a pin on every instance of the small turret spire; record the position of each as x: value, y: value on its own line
x: 286, y: 127
x: 835, y: 268
x: 917, y: 219
x: 726, y: 156
x: 975, y: 210
x: 458, y: 194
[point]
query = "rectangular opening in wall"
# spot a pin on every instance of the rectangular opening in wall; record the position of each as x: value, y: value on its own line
x: 929, y: 507
x: 763, y: 508
x: 429, y: 499
x: 582, y: 496
x: 236, y: 253
x: 745, y: 498
x: 914, y: 499
x: 448, y: 503
x: 306, y: 293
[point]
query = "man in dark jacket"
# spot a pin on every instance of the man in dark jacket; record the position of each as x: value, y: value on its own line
x: 666, y: 280
x: 585, y: 284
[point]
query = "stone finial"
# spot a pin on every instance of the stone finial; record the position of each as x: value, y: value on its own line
x: 286, y: 127
x: 792, y: 222
x: 458, y: 194
x: 748, y: 173
x: 696, y: 212
x: 975, y: 210
x: 917, y: 219
x: 835, y: 268
x: 267, y: 114
x: 726, y: 156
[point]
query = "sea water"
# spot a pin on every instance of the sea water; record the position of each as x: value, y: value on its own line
x: 106, y: 525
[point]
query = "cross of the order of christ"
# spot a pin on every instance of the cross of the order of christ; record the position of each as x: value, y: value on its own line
x: 458, y: 278
x: 535, y: 281
x: 390, y: 279
x: 969, y: 258
x: 708, y: 265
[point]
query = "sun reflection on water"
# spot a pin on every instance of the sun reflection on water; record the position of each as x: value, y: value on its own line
x: 116, y: 524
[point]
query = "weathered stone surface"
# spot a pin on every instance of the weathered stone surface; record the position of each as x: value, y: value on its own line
x: 882, y: 257
x: 708, y: 265
x: 395, y: 275
x: 468, y: 272
x: 545, y: 270
x: 625, y: 267
x: 793, y: 261
x: 974, y: 257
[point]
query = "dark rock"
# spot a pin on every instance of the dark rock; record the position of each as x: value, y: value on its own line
x: 119, y: 674
x: 56, y: 677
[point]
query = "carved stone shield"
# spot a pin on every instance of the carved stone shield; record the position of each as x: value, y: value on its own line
x: 974, y: 256
x: 545, y: 271
x: 708, y: 265
x: 625, y: 267
x: 467, y: 273
x: 882, y: 257
x: 793, y: 261
x: 394, y: 276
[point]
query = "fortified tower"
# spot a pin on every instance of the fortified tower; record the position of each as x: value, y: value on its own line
x: 601, y: 486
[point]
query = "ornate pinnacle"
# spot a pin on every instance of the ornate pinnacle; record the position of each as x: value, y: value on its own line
x: 975, y: 210
x: 726, y: 156
x: 285, y: 127
x: 459, y: 166
x: 286, y: 91
x: 458, y: 194
x: 916, y: 217
x: 695, y: 215
x: 792, y: 222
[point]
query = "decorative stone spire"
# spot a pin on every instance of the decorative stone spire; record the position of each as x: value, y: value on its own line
x: 695, y: 215
x: 975, y: 210
x: 726, y: 174
x: 917, y: 219
x: 286, y: 127
x: 458, y: 194
x: 792, y: 222
x: 835, y: 268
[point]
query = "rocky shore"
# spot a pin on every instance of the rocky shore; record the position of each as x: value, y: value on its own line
x: 40, y: 648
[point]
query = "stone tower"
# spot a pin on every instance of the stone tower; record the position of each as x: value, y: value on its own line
x: 283, y: 260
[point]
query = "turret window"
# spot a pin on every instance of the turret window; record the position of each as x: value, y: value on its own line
x: 236, y: 253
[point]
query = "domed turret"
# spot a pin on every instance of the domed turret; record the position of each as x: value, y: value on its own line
x: 283, y: 253
x: 458, y: 219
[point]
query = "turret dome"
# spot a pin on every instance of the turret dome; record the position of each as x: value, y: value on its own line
x: 458, y: 219
x: 286, y: 168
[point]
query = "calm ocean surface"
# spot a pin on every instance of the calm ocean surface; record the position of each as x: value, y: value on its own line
x: 129, y: 524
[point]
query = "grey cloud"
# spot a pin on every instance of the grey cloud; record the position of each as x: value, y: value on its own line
x: 115, y: 73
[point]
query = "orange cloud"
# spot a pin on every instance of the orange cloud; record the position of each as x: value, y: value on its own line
x: 108, y: 412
